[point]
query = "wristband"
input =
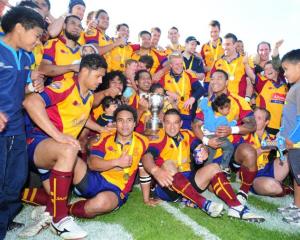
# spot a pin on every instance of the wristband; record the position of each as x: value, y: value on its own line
x: 235, y: 130
x: 248, y: 99
x: 205, y: 141
x: 31, y: 87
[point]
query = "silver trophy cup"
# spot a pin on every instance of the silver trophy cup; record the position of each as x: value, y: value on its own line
x: 156, y: 102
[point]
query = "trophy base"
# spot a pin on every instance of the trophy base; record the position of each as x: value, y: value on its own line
x: 152, y: 129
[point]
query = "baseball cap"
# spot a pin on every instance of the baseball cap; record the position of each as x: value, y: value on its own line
x: 192, y: 38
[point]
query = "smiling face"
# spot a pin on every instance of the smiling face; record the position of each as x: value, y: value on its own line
x: 144, y: 82
x: 229, y: 46
x: 173, y: 35
x: 218, y: 82
x: 103, y: 21
x: 214, y: 33
x: 155, y: 36
x: 125, y: 123
x: 176, y: 64
x: 172, y: 124
x: 191, y: 47
x: 270, y: 72
x: 264, y: 51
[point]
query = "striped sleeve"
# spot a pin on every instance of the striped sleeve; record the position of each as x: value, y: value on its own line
x: 56, y: 92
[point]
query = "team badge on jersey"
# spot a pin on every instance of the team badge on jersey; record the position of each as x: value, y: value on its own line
x: 56, y: 85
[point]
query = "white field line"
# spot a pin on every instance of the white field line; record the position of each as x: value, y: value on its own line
x: 186, y: 220
x: 96, y: 229
x: 273, y: 219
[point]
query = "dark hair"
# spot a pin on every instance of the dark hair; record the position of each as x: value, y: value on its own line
x: 148, y: 60
x: 27, y: 17
x: 129, y: 61
x: 127, y: 108
x: 267, y: 113
x: 223, y: 72
x: 157, y: 29
x: 99, y: 12
x: 108, y: 101
x: 174, y: 28
x: 232, y: 36
x: 110, y: 76
x: 239, y: 41
x: 263, y: 42
x: 270, y: 62
x: 215, y: 23
x: 73, y: 3
x: 93, y: 62
x: 172, y: 111
x: 71, y: 16
x: 144, y: 32
x: 48, y: 3
x: 220, y: 102
x: 138, y: 73
x: 156, y: 86
x: 292, y: 56
x: 121, y: 25
x: 29, y: 4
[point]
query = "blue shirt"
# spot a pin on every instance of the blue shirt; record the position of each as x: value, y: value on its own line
x: 212, y: 122
x: 14, y: 73
x: 194, y: 63
x: 291, y: 114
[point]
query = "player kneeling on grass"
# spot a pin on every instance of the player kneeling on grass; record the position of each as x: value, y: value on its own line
x: 59, y: 114
x: 168, y: 161
x: 112, y: 167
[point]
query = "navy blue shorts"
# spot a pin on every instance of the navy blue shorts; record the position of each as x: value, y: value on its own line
x: 94, y: 183
x: 267, y: 171
x: 33, y: 139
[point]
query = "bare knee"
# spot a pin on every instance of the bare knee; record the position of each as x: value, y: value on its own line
x: 268, y: 187
x: 103, y: 203
x: 68, y: 153
x: 213, y: 168
x: 246, y: 155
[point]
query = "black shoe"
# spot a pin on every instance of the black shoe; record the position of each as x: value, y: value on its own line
x: 15, y: 225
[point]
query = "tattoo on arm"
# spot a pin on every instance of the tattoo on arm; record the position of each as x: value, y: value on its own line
x: 249, y: 123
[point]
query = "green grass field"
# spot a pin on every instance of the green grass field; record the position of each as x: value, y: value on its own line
x: 175, y: 221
